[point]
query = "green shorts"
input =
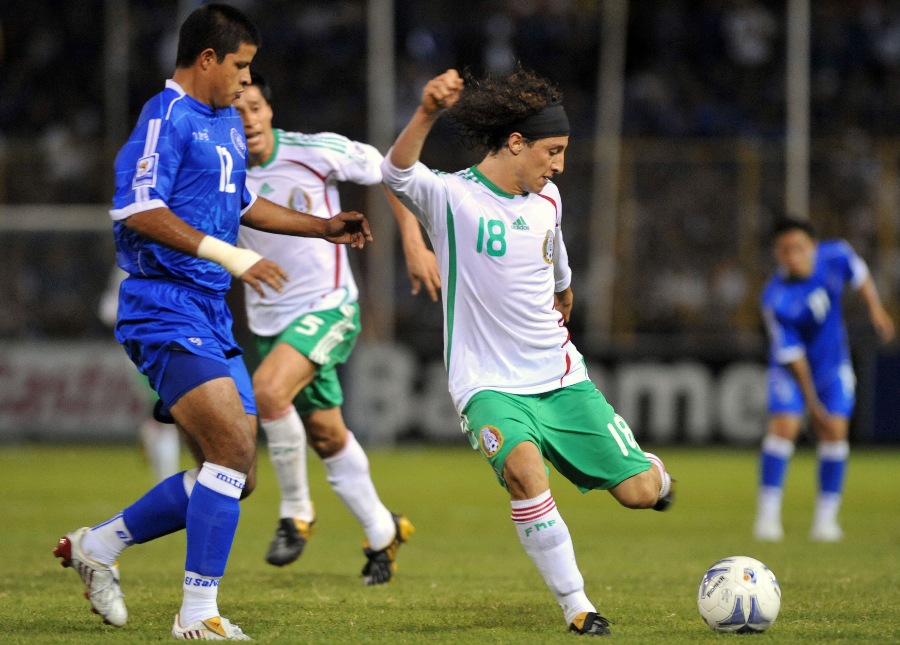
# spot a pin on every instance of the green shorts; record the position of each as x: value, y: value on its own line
x: 326, y: 338
x: 574, y: 427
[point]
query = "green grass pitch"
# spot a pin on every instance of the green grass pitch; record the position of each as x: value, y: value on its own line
x: 463, y: 578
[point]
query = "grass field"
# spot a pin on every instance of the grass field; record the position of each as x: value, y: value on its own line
x: 463, y: 578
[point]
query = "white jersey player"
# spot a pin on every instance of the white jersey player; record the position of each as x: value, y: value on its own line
x: 518, y: 382
x: 302, y: 173
x: 502, y: 328
x: 307, y: 329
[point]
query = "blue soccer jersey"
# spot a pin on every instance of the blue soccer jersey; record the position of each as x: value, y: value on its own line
x: 804, y: 318
x: 185, y: 156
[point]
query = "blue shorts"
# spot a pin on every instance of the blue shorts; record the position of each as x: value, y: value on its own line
x: 158, y: 318
x: 836, y: 390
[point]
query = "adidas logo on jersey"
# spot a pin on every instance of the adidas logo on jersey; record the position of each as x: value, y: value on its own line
x: 265, y: 189
x: 520, y: 225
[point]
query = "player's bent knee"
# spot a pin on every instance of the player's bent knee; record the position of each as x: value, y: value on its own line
x: 245, y: 454
x: 639, y: 491
x: 524, y: 472
x: 269, y: 397
x: 235, y: 449
x: 326, y: 447
x: 326, y: 440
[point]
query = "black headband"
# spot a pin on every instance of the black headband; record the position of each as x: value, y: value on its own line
x: 549, y: 122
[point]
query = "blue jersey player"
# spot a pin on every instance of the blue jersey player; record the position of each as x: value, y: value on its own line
x: 180, y: 198
x: 810, y: 368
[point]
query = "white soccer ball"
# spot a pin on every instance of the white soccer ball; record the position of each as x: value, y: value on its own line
x: 739, y: 594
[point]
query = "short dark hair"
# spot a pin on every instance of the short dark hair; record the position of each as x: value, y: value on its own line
x: 262, y: 84
x: 219, y: 27
x: 786, y: 224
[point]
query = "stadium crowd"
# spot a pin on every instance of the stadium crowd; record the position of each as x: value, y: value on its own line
x: 710, y: 72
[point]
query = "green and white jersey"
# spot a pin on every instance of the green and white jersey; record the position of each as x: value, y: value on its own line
x: 302, y: 174
x: 501, y: 257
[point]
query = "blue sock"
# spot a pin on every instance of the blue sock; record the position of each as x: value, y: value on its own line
x: 832, y: 465
x: 162, y: 510
x: 776, y: 454
x: 212, y: 519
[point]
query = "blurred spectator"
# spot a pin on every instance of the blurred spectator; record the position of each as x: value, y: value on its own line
x: 750, y: 29
x: 707, y: 69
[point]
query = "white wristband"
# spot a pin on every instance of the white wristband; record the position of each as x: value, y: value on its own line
x: 235, y: 260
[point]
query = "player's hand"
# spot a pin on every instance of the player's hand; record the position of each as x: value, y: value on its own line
x: 883, y: 324
x: 442, y: 92
x: 563, y: 302
x: 819, y: 418
x: 348, y: 228
x: 422, y: 268
x: 265, y: 271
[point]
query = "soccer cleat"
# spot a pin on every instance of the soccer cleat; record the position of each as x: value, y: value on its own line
x: 289, y: 541
x: 826, y: 532
x: 665, y: 502
x: 101, y: 581
x: 211, y: 629
x: 768, y: 530
x: 589, y: 623
x: 380, y: 565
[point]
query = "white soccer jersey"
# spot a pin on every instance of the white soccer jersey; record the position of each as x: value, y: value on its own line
x: 302, y: 174
x: 501, y: 258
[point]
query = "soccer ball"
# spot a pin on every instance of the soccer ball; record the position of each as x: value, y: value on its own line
x: 739, y: 594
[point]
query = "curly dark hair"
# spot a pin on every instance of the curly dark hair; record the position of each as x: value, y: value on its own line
x: 489, y: 105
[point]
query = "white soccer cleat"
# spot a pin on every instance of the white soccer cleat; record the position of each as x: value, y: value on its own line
x: 826, y: 532
x: 768, y: 530
x: 211, y: 629
x: 101, y: 581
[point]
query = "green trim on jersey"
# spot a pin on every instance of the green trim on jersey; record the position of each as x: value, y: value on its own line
x: 335, y: 143
x: 451, y: 281
x: 494, y: 188
x: 274, y: 155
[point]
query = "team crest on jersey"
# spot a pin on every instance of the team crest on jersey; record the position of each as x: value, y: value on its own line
x: 299, y: 200
x: 491, y: 440
x: 238, y: 140
x: 548, y: 247
x: 145, y: 171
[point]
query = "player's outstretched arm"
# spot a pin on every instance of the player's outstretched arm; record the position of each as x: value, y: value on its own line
x: 439, y: 94
x: 344, y: 228
x: 163, y: 226
x: 882, y: 322
x: 421, y: 265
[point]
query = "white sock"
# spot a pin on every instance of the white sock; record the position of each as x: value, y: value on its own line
x: 105, y: 542
x: 547, y: 541
x: 663, y: 474
x: 768, y: 504
x: 163, y: 447
x: 827, y: 507
x: 200, y: 600
x: 348, y: 474
x: 832, y: 456
x: 287, y: 451
x: 778, y: 446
